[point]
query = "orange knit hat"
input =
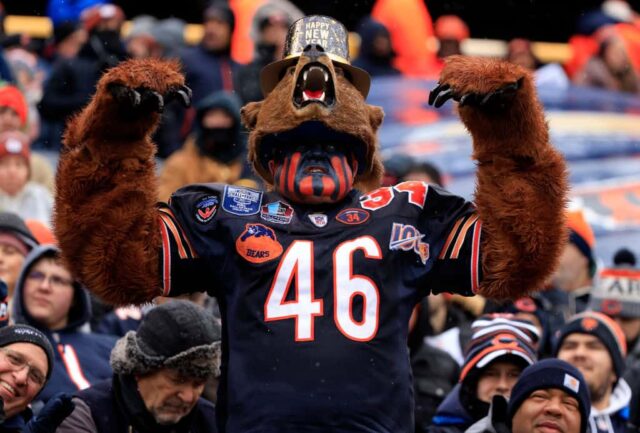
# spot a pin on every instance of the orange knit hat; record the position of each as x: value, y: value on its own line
x: 10, y: 96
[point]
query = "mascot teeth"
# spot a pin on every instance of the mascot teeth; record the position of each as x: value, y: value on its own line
x: 314, y: 85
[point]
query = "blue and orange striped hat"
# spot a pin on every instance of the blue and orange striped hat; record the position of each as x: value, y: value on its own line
x: 497, y: 337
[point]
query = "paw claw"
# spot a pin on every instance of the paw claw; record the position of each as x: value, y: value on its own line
x: 182, y: 94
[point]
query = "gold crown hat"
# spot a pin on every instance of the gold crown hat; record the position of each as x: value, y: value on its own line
x: 321, y: 30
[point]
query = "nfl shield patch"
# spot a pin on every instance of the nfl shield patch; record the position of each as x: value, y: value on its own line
x: 318, y: 219
x: 206, y: 208
x: 241, y: 201
x: 276, y: 212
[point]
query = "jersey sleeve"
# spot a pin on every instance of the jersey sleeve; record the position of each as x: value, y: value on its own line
x: 191, y: 252
x: 455, y: 248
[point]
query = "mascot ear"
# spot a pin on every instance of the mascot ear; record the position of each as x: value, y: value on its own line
x: 249, y: 114
x: 375, y: 116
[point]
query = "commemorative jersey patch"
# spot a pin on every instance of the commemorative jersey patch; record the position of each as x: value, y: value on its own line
x: 353, y: 216
x: 258, y: 244
x: 406, y: 237
x: 318, y: 219
x: 241, y: 201
x: 276, y: 212
x: 206, y: 208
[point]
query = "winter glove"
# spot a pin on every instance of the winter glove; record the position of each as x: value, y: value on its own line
x: 499, y: 416
x: 52, y: 414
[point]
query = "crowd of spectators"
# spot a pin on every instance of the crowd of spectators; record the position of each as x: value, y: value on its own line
x: 469, y: 355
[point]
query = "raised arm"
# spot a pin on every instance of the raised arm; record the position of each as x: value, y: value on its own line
x: 106, y: 189
x: 521, y: 181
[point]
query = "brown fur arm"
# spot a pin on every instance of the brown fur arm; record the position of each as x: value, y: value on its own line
x: 106, y: 188
x: 521, y: 182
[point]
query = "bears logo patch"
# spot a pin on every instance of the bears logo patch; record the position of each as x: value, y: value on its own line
x: 206, y: 208
x: 277, y: 212
x: 353, y: 216
x: 258, y: 244
x: 407, y: 238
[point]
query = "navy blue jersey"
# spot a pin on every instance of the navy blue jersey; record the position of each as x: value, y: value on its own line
x: 315, y: 302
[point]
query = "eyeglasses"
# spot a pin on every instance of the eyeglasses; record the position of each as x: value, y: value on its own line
x: 18, y: 362
x: 55, y: 280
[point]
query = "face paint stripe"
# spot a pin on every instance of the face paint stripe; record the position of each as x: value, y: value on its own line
x: 342, y: 172
x: 294, y: 164
x: 306, y: 186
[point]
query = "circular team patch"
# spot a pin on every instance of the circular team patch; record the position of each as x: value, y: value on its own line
x: 353, y: 216
x: 206, y: 208
x: 258, y: 244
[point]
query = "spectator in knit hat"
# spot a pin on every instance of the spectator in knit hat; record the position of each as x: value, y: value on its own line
x: 16, y: 240
x: 159, y: 374
x: 26, y: 363
x: 574, y: 275
x: 208, y: 66
x: 30, y: 200
x: 550, y: 395
x: 501, y: 347
x: 13, y: 109
x: 595, y: 344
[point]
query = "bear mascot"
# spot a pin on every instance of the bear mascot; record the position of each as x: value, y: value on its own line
x: 315, y: 278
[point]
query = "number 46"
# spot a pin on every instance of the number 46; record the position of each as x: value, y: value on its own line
x: 297, y: 262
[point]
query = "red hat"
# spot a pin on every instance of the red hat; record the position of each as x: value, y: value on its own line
x: 14, y: 143
x: 10, y: 96
x: 451, y: 27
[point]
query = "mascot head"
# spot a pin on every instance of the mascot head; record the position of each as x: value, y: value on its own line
x: 313, y: 136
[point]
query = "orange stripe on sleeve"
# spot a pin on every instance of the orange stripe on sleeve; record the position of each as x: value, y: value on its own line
x: 463, y: 233
x: 452, y: 234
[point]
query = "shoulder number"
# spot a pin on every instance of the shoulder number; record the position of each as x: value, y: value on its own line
x: 296, y: 267
x: 381, y: 197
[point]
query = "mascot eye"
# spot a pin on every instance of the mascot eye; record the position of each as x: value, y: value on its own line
x: 291, y: 70
x: 339, y: 71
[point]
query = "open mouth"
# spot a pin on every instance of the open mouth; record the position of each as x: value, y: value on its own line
x: 315, y: 169
x: 314, y: 85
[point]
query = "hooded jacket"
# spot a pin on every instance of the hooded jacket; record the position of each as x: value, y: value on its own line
x: 81, y: 358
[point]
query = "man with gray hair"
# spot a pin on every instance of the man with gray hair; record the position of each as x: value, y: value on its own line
x: 160, y: 371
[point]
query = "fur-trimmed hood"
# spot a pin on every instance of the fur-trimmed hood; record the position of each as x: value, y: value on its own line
x: 127, y: 357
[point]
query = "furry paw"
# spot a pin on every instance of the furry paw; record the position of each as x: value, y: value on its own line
x: 483, y: 83
x: 497, y: 99
x: 142, y: 100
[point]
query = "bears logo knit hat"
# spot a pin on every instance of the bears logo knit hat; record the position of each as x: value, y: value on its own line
x: 496, y: 336
x: 27, y: 334
x: 556, y: 374
x: 604, y: 328
x: 615, y: 292
x: 179, y: 335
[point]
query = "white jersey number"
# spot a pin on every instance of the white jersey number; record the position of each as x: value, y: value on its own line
x: 296, y: 266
